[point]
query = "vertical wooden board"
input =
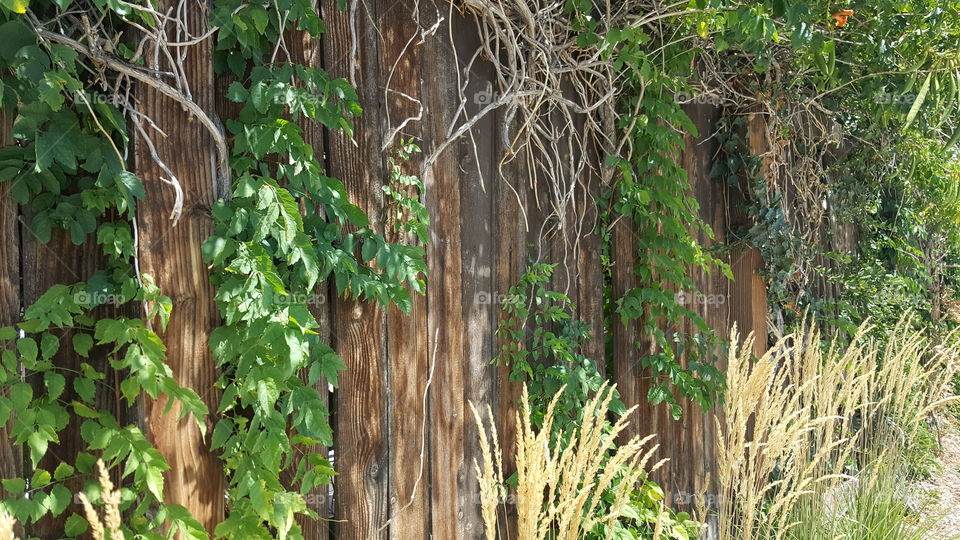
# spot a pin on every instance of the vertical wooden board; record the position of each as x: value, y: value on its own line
x: 633, y: 380
x: 411, y: 359
x: 408, y: 344
x: 749, y: 294
x: 589, y: 291
x: 58, y: 261
x: 360, y: 429
x: 172, y: 256
x: 11, y: 457
x: 445, y: 318
x: 511, y: 193
x: 480, y: 300
x: 748, y: 297
x: 697, y: 160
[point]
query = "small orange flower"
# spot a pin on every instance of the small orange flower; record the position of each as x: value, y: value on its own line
x: 841, y: 17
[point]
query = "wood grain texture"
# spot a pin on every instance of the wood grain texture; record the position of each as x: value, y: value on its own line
x: 695, y: 462
x: 409, y: 352
x: 445, y: 320
x: 633, y: 381
x: 510, y: 191
x: 362, y: 401
x: 477, y: 163
x: 172, y: 256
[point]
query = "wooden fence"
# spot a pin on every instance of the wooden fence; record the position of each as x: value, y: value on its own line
x: 405, y: 441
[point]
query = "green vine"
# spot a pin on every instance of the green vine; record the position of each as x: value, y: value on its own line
x: 652, y: 193
x: 268, y: 257
x: 542, y: 345
x: 68, y: 170
x: 286, y: 228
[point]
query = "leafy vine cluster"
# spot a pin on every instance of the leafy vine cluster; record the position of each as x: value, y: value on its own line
x: 284, y: 228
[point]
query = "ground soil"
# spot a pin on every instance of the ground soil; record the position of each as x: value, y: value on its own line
x: 945, y: 485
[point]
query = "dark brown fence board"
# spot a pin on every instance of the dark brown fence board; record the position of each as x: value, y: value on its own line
x: 11, y: 458
x: 172, y: 256
x: 409, y: 350
x: 445, y: 319
x: 360, y: 430
x: 476, y: 161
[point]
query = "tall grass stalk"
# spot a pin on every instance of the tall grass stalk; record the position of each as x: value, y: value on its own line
x: 805, y: 418
x: 559, y: 485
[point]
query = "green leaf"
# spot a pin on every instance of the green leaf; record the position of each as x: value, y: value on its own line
x: 62, y: 471
x: 59, y: 499
x: 20, y: 395
x: 82, y: 343
x: 154, y: 479
x: 38, y: 444
x: 85, y: 388
x: 27, y: 348
x: 221, y: 432
x: 49, y: 345
x: 918, y: 102
x: 40, y: 479
x: 14, y: 485
x: 55, y: 384
x: 75, y: 525
x: 131, y: 187
x: 16, y: 6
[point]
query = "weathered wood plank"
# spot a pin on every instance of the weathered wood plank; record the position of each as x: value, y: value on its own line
x: 307, y: 51
x: 361, y: 418
x: 477, y: 221
x: 172, y: 256
x: 445, y: 319
x: 408, y: 343
x: 695, y: 460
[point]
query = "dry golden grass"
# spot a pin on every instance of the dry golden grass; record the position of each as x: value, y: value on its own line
x: 793, y: 419
x: 558, y: 489
x: 7, y: 525
x: 111, y: 514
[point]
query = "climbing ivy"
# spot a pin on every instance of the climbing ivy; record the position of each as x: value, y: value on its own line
x: 285, y: 228
x: 652, y: 194
x: 68, y: 171
x: 267, y: 259
x: 542, y: 346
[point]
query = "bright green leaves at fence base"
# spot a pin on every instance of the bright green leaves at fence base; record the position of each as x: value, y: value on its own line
x: 542, y: 347
x: 43, y: 398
